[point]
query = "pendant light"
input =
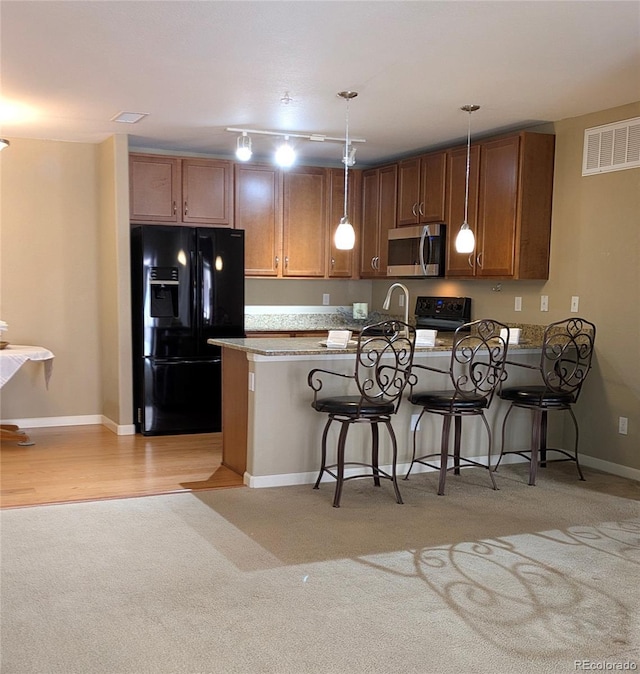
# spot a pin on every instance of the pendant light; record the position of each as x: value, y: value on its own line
x: 4, y: 143
x: 465, y: 241
x: 345, y: 236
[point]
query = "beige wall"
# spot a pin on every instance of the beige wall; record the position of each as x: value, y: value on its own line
x: 64, y: 281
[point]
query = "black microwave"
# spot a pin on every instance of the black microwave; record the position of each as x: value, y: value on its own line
x: 416, y: 251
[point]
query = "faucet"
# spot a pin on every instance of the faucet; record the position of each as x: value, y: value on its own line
x: 387, y: 300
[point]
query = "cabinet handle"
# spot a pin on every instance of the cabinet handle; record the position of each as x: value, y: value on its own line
x: 333, y: 262
x: 186, y: 208
x: 175, y: 207
x: 286, y: 262
x: 470, y: 261
x: 479, y: 259
x: 414, y: 210
x: 421, y: 208
x: 277, y: 261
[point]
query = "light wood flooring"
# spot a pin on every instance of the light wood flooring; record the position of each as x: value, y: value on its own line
x: 86, y: 463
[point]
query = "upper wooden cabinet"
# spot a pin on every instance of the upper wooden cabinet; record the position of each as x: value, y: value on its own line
x: 173, y: 189
x: 379, y: 191
x: 258, y: 210
x: 421, y: 189
x: 342, y: 263
x: 512, y: 201
x: 304, y: 222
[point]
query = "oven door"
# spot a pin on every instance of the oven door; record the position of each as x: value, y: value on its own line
x: 416, y: 251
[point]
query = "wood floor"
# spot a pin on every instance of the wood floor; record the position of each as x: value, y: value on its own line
x: 86, y: 463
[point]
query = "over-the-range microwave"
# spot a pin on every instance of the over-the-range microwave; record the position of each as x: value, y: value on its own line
x: 416, y: 251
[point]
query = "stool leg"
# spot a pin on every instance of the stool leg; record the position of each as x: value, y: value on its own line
x: 575, y: 423
x: 543, y: 440
x: 415, y: 444
x: 486, y: 425
x: 457, y: 435
x: 324, y: 452
x: 342, y: 439
x: 375, y: 437
x: 536, y: 430
x: 504, y: 426
x: 394, y: 458
x: 444, y: 453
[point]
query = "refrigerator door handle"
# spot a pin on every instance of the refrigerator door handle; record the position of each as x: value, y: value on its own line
x: 188, y: 361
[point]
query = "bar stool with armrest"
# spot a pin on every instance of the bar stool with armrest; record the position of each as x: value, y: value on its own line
x: 382, y: 369
x: 476, y: 369
x: 567, y: 350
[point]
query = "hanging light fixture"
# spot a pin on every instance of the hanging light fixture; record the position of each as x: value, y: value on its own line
x: 4, y: 143
x: 466, y: 241
x: 243, y: 147
x: 285, y: 154
x: 345, y: 236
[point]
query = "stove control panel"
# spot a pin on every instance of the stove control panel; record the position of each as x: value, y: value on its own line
x: 444, y: 307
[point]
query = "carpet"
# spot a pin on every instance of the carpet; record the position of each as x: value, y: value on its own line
x: 276, y: 581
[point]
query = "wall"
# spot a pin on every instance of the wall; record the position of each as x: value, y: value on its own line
x: 49, y: 280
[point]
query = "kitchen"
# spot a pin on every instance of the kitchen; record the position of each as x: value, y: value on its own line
x: 78, y: 230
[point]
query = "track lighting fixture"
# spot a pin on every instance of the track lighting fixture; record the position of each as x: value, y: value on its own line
x: 466, y: 241
x: 243, y: 147
x: 285, y: 154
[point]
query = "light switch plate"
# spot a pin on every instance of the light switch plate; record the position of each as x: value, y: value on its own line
x: 326, y: 298
x: 575, y: 301
x: 518, y: 304
x: 544, y: 302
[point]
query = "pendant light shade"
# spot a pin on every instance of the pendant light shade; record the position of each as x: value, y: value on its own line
x: 466, y: 241
x: 4, y: 143
x: 345, y: 236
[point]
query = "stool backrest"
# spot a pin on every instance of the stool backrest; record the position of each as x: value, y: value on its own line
x: 567, y: 351
x: 383, y: 361
x: 478, y: 357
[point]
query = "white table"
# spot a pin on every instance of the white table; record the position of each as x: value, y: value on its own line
x: 12, y: 358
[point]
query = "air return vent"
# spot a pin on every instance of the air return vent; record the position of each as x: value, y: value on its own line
x: 612, y: 147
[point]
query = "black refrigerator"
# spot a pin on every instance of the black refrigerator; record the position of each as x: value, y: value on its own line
x: 187, y: 286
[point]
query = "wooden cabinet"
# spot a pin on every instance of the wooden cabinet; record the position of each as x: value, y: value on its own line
x: 421, y: 189
x: 513, y: 206
x: 179, y: 190
x: 379, y: 190
x: 258, y: 210
x: 342, y: 263
x: 304, y: 222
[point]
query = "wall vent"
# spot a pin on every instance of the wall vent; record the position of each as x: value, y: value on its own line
x: 611, y: 147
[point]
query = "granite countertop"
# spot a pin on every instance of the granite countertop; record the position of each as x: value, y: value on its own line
x: 310, y: 346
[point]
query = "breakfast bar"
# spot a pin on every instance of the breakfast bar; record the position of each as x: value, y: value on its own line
x: 271, y: 434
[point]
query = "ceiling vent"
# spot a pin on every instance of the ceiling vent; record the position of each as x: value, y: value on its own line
x: 611, y: 147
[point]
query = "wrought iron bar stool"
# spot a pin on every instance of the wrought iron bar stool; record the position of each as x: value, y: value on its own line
x: 382, y: 369
x: 567, y: 351
x: 476, y: 369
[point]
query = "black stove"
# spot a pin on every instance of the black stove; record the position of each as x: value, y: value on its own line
x: 444, y: 314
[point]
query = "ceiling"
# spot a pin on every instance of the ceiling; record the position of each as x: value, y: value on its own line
x: 197, y: 67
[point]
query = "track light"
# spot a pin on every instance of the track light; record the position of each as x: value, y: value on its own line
x: 285, y: 154
x: 243, y: 147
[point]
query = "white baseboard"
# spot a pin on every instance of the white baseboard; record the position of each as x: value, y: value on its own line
x: 83, y: 420
x: 290, y: 479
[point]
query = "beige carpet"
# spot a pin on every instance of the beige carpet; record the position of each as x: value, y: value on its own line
x: 522, y: 580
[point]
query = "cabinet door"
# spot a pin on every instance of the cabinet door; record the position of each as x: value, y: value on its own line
x: 370, y: 231
x: 497, y: 207
x: 409, y: 192
x: 258, y: 211
x: 154, y: 188
x: 461, y: 264
x: 341, y: 262
x: 206, y: 192
x: 433, y: 170
x: 388, y: 207
x: 304, y: 222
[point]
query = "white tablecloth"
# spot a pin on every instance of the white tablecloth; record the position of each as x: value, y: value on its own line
x: 14, y: 356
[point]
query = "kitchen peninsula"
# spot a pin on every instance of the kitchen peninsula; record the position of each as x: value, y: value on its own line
x: 271, y: 434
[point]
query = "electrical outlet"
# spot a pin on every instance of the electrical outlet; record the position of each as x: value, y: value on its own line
x: 623, y: 424
x: 575, y: 301
x: 252, y: 381
x: 326, y: 298
x: 518, y: 304
x: 544, y: 302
